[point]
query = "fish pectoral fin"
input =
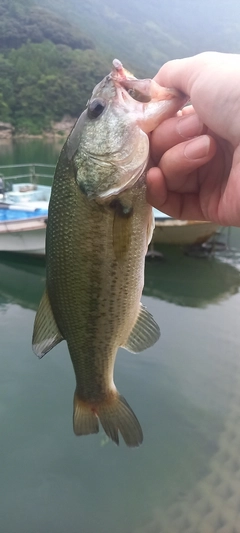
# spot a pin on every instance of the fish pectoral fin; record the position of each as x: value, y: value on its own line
x: 45, y: 332
x: 144, y: 334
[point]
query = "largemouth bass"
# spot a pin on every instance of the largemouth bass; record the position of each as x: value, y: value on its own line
x: 98, y: 231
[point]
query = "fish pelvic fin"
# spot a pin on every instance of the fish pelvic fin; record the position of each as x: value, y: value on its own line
x: 116, y: 415
x: 45, y: 332
x: 85, y: 420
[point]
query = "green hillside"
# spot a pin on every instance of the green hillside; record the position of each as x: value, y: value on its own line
x: 53, y: 52
x: 47, y: 67
x: 146, y: 33
x: 22, y: 21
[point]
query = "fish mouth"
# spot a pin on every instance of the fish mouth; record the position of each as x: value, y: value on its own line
x: 143, y: 91
x: 145, y: 105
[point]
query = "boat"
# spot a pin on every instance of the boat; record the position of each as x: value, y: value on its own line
x: 169, y: 230
x: 23, y: 218
x: 24, y: 210
x: 24, y: 214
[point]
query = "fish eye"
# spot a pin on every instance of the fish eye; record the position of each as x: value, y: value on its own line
x: 96, y: 107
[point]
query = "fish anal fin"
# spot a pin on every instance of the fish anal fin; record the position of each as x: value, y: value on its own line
x: 46, y: 334
x: 116, y: 415
x: 144, y: 334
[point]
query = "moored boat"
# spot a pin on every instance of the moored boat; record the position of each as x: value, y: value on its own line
x: 23, y: 218
x: 181, y: 232
x: 24, y: 213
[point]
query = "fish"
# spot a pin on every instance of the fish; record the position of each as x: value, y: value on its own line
x: 98, y: 231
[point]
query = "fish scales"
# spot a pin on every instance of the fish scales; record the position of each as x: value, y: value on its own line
x: 99, y: 227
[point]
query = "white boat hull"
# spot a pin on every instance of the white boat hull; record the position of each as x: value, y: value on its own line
x: 23, y: 236
x: 28, y: 236
x: 182, y: 232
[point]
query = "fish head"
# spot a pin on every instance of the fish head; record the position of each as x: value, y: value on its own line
x: 109, y: 144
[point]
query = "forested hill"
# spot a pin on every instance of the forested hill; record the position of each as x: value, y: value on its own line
x: 48, y: 66
x: 22, y: 21
x: 146, y: 33
x: 53, y: 52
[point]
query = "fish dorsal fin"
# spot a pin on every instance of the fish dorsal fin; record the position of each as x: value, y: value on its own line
x: 45, y: 333
x: 144, y: 334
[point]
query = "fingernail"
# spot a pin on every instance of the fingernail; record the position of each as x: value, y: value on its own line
x: 189, y: 126
x: 197, y: 148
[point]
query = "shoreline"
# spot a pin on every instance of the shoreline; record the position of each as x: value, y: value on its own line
x: 42, y: 136
x: 59, y: 131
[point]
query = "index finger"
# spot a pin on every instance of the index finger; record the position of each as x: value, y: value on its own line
x: 208, y: 69
x: 177, y: 73
x: 211, y: 80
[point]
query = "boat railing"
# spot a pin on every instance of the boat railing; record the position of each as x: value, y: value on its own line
x: 31, y: 172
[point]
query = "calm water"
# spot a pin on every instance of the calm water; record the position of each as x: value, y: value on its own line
x: 185, y: 478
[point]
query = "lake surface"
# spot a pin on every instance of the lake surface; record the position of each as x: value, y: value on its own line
x: 185, y: 390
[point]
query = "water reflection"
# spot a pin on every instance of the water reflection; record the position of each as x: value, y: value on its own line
x: 190, y: 281
x: 178, y: 279
x: 185, y: 391
x: 17, y: 151
x: 22, y: 280
x: 213, y: 504
x: 6, y: 148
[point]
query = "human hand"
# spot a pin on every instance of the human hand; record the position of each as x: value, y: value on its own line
x: 197, y: 153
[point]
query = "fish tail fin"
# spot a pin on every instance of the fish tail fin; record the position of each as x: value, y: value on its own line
x: 85, y: 420
x: 116, y: 415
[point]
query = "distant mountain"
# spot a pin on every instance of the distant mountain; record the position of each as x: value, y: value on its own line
x: 48, y: 66
x: 146, y: 33
x: 53, y: 52
x: 22, y: 21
